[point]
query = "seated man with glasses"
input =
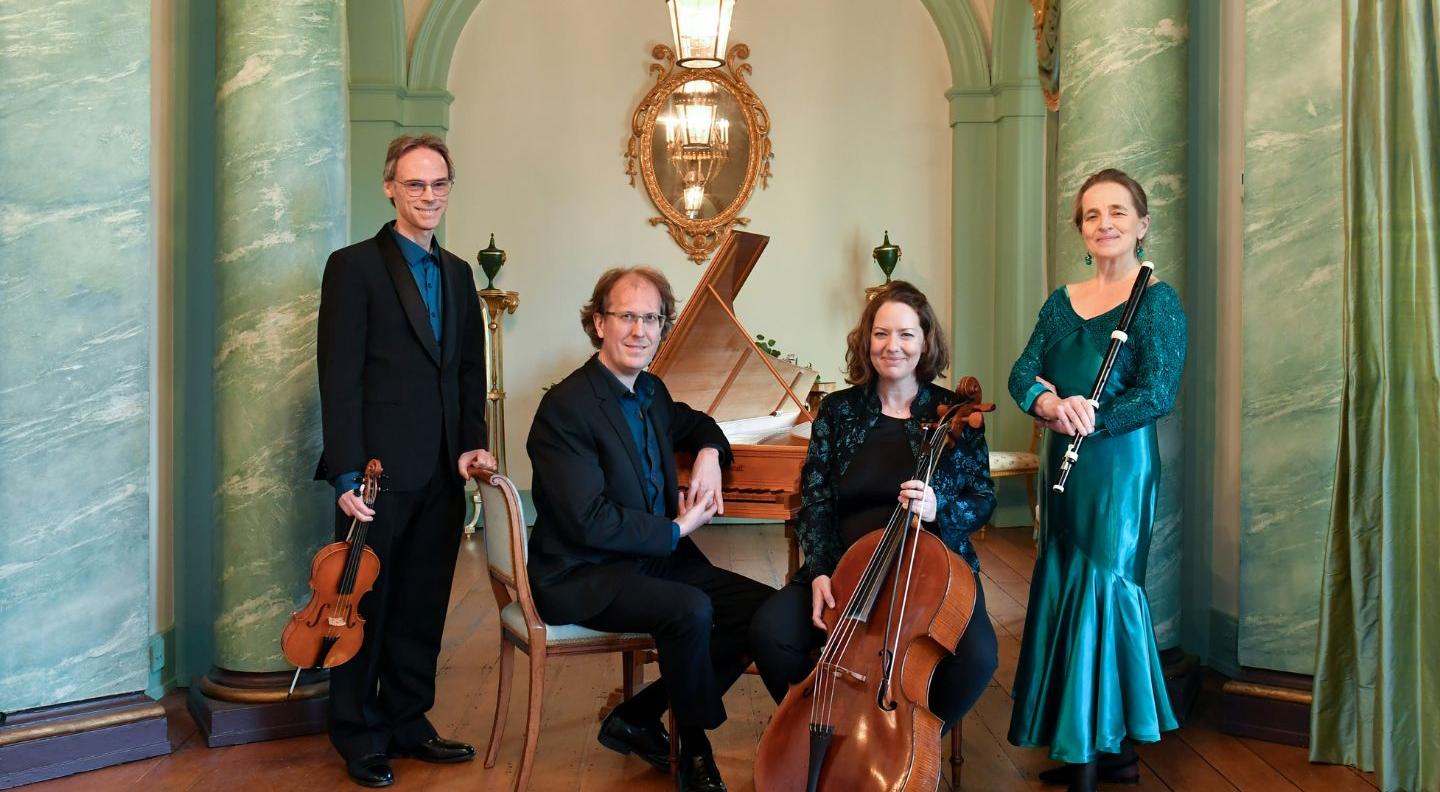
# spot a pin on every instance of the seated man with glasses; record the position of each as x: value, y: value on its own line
x: 402, y: 379
x: 611, y: 547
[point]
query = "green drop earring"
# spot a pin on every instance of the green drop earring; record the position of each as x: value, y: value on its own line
x: 1089, y: 262
x: 1140, y: 250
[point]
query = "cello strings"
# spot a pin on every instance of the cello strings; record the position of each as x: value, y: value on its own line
x: 873, y: 576
x: 826, y: 681
x: 912, y: 523
x: 846, y: 626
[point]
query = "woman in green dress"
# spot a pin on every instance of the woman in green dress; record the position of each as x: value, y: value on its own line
x: 1089, y: 681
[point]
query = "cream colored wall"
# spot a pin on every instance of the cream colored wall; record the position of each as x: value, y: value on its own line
x: 544, y: 90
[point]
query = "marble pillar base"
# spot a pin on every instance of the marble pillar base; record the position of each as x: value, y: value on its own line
x: 50, y: 742
x: 1182, y: 680
x: 1267, y: 705
x: 233, y: 708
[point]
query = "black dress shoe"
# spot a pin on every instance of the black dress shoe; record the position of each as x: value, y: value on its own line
x: 371, y: 770
x: 650, y: 742
x: 438, y: 750
x: 698, y: 773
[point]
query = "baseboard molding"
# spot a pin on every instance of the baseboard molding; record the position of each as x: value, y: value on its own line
x: 51, y: 742
x: 231, y: 713
x: 1267, y: 705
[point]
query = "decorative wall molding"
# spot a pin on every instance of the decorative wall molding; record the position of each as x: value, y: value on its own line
x: 51, y: 742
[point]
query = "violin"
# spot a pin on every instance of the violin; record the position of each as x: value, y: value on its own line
x: 861, y: 720
x: 329, y: 629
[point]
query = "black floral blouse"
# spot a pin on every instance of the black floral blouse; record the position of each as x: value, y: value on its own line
x: 964, y: 493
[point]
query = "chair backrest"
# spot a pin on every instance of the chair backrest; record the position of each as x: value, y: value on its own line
x: 505, y: 533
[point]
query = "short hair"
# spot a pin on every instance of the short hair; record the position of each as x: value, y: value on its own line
x: 934, y: 359
x: 1114, y: 176
x: 600, y: 298
x: 405, y: 144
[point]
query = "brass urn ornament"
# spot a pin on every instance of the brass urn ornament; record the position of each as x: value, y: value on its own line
x: 886, y: 256
x: 491, y: 259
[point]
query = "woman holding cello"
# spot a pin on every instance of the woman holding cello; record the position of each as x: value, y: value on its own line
x: 864, y: 446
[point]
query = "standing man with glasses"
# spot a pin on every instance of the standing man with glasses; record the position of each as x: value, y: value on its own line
x: 611, y: 547
x: 402, y: 379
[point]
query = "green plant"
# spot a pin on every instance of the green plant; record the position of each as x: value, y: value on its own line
x: 767, y: 345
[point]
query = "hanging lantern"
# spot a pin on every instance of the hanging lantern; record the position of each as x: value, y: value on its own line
x: 695, y: 106
x: 701, y: 28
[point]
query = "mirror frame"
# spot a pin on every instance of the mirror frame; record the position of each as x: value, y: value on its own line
x: 699, y: 237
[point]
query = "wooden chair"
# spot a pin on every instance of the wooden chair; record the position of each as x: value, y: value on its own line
x: 956, y: 757
x: 506, y: 536
x: 1008, y: 464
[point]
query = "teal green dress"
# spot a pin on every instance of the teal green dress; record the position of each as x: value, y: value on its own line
x: 1089, y: 672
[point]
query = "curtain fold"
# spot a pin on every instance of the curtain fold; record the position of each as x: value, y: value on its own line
x: 1377, y: 680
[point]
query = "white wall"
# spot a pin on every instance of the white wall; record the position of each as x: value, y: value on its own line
x: 544, y: 91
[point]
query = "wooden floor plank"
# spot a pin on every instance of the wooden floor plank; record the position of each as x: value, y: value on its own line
x: 1294, y: 764
x: 1175, y: 763
x: 580, y: 689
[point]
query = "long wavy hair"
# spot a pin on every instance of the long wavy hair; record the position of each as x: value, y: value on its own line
x: 934, y: 359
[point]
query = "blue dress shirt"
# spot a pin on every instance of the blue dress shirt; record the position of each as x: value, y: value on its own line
x: 425, y: 268
x: 635, y: 404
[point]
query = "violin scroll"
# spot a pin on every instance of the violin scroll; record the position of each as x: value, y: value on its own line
x: 370, y: 483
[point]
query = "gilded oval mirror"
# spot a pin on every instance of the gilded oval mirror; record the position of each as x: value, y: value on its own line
x: 701, y: 140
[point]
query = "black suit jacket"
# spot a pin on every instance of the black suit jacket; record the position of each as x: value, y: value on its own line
x: 591, y: 520
x: 387, y: 389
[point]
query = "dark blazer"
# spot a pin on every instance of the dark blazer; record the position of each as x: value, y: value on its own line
x: 387, y: 389
x: 591, y: 520
x: 964, y: 492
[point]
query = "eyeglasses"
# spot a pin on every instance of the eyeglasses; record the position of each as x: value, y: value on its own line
x: 649, y: 319
x: 416, y: 188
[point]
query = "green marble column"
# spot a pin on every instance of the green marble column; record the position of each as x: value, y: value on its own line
x: 1293, y: 365
x: 281, y: 205
x: 77, y: 263
x: 1123, y: 104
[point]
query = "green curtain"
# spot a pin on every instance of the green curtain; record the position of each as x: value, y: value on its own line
x: 1377, y: 680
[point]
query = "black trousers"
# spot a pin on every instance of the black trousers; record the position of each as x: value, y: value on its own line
x: 378, y: 700
x: 700, y: 616
x: 784, y: 642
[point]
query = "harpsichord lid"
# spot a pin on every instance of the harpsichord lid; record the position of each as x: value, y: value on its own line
x: 711, y: 362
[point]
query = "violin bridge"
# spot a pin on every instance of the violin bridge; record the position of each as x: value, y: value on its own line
x: 335, y: 621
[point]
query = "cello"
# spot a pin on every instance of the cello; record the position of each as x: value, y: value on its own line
x: 329, y: 629
x: 860, y: 721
